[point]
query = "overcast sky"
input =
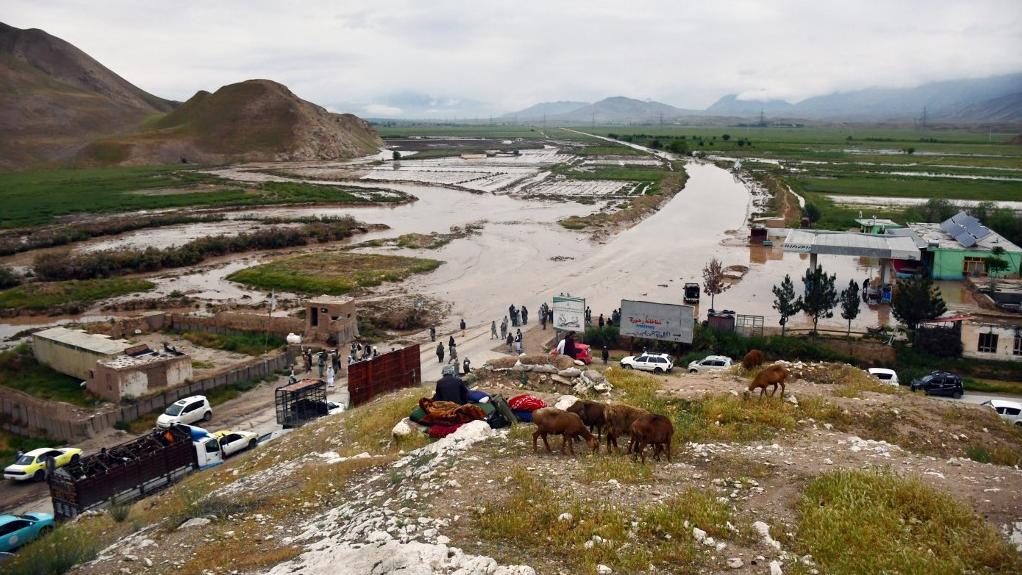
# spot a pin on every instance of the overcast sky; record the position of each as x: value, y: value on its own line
x: 396, y: 58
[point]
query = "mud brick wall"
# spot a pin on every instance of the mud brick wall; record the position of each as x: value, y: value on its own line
x: 227, y: 322
x: 30, y: 416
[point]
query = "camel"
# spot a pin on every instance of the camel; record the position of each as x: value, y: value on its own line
x: 771, y: 375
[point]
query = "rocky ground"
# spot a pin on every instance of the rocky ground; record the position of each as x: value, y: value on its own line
x: 342, y: 495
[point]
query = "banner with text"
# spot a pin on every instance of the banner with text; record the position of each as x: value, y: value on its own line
x: 569, y: 313
x: 663, y: 321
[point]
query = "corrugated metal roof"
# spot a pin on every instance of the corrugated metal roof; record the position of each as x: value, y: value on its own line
x: 82, y: 340
x: 851, y: 244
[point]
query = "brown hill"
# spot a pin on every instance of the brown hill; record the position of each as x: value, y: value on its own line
x: 255, y: 120
x: 54, y: 99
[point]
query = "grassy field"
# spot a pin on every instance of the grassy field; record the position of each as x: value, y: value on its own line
x: 332, y: 273
x: 246, y: 343
x: 55, y: 296
x: 20, y: 370
x: 478, y: 131
x: 34, y: 198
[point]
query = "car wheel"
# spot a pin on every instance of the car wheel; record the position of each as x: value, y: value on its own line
x: 252, y: 444
x: 207, y: 416
x: 45, y: 530
x: 75, y: 458
x: 626, y: 366
x: 693, y: 371
x: 39, y: 475
x: 957, y: 395
x: 657, y: 370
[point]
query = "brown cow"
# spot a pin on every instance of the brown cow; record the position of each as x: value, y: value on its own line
x: 619, y: 421
x: 771, y: 375
x: 752, y: 359
x: 651, y: 429
x: 592, y: 414
x: 553, y: 421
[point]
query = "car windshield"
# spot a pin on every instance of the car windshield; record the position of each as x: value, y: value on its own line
x: 174, y: 409
x: 24, y: 460
x: 927, y: 379
x: 27, y: 518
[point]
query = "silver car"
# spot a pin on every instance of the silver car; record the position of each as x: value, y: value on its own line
x: 710, y: 363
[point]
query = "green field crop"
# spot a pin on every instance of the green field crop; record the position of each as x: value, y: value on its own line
x: 910, y: 187
x: 332, y: 273
x: 51, y: 296
x: 34, y: 198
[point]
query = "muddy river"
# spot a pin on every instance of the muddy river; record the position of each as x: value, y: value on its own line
x: 523, y: 256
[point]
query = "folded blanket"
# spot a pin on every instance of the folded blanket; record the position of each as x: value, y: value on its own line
x: 523, y: 415
x: 438, y: 431
x: 476, y: 396
x: 447, y: 413
x: 526, y: 402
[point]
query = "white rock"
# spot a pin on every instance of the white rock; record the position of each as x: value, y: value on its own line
x: 581, y: 363
x: 698, y: 534
x: 735, y: 563
x: 194, y: 522
x: 565, y: 402
x: 764, y: 532
x: 603, y: 569
x: 571, y: 372
x: 566, y: 517
x: 775, y: 568
x: 402, y: 429
x: 544, y: 368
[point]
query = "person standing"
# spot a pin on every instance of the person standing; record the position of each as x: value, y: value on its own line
x: 493, y: 329
x: 466, y: 366
x: 454, y: 355
x: 440, y: 352
x: 600, y: 321
x: 462, y: 327
x: 542, y: 318
x: 518, y: 342
x: 503, y: 328
x: 605, y: 354
x: 511, y: 313
x: 322, y: 363
x: 432, y: 333
x: 525, y: 316
x: 330, y: 376
x: 510, y: 342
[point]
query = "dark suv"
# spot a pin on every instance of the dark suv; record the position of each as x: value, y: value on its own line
x: 940, y: 383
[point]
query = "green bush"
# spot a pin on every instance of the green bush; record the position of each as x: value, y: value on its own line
x: 54, y: 553
x: 8, y: 278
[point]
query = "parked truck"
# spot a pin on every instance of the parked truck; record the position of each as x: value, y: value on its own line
x: 301, y: 401
x: 132, y: 470
x: 691, y: 293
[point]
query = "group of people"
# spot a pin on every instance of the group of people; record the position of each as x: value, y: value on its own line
x: 452, y: 349
x: 518, y: 316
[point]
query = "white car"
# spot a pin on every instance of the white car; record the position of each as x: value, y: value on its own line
x: 655, y: 362
x: 1010, y: 411
x: 232, y: 441
x: 710, y: 363
x: 187, y: 411
x: 887, y: 376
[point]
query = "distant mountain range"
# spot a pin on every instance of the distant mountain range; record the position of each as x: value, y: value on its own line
x: 996, y: 99
x: 59, y: 106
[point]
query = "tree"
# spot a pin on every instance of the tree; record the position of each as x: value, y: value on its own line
x: 995, y: 266
x: 850, y: 304
x: 396, y: 155
x: 8, y: 278
x: 820, y: 295
x: 785, y: 301
x: 916, y: 300
x: 726, y: 137
x: 812, y: 212
x: 714, y: 281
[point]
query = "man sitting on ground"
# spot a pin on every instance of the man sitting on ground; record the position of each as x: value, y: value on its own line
x: 450, y: 387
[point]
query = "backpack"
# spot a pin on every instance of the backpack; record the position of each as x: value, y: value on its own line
x: 503, y: 409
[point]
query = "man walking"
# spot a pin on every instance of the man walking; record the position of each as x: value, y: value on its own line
x: 440, y: 352
x: 432, y: 333
x: 606, y: 355
x: 493, y: 329
x: 462, y: 327
x: 503, y: 328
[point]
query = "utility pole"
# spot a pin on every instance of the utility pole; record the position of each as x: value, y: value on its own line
x: 924, y: 118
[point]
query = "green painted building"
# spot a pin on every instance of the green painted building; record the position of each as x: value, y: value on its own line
x: 960, y: 247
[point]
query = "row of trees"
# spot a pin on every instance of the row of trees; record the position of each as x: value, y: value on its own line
x: 914, y: 300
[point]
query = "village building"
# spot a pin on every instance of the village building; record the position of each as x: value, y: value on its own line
x: 959, y: 247
x: 331, y: 320
x: 992, y: 340
x: 876, y: 225
x: 74, y: 352
x: 139, y: 372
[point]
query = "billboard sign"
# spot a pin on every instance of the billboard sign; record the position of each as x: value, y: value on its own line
x: 569, y: 313
x: 662, y: 321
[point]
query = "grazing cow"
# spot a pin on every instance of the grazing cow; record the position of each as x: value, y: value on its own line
x: 651, y: 429
x: 619, y: 421
x: 553, y: 421
x: 592, y: 414
x: 771, y: 375
x: 752, y: 359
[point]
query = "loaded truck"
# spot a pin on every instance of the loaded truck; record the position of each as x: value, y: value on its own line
x: 691, y: 293
x: 301, y: 401
x: 132, y: 470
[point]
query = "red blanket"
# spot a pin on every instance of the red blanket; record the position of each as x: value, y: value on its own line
x: 526, y: 402
x: 439, y: 431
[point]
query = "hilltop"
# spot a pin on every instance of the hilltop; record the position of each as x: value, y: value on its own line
x: 54, y: 98
x: 254, y: 120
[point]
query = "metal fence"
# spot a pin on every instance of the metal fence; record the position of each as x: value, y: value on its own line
x: 389, y: 372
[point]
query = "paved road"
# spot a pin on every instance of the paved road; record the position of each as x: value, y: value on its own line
x: 978, y: 397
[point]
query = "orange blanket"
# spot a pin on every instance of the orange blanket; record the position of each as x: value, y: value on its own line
x: 447, y: 413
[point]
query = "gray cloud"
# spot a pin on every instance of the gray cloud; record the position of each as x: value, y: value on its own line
x: 493, y: 57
